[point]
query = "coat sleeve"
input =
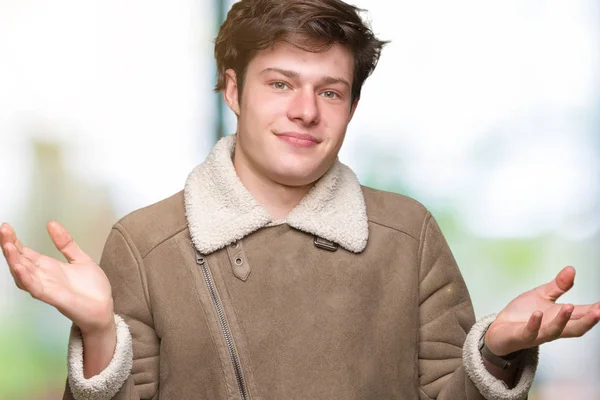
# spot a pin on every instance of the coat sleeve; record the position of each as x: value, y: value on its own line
x: 450, y: 365
x: 134, y: 369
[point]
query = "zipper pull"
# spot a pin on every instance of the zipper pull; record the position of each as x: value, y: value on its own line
x: 200, y: 259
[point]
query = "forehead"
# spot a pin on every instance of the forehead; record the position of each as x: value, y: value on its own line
x: 336, y: 60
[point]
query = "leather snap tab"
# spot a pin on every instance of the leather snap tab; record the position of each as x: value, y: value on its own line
x: 239, y: 262
x: 325, y: 244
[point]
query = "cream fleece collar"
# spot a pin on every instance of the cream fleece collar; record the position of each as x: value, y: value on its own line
x: 220, y: 210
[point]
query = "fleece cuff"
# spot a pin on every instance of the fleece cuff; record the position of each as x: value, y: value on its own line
x: 489, y: 386
x: 107, y: 383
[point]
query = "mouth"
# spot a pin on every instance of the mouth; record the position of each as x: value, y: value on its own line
x: 298, y: 139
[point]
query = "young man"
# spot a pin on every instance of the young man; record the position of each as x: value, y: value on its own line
x: 274, y: 274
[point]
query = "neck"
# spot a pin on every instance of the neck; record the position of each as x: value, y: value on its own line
x: 276, y: 198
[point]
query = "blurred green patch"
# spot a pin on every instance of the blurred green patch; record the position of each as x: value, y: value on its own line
x: 30, y: 368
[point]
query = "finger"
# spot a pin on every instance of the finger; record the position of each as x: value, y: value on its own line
x: 531, y: 329
x: 65, y: 244
x: 32, y: 255
x: 7, y: 234
x: 581, y: 310
x: 16, y: 261
x: 17, y: 270
x: 553, y: 329
x: 17, y: 273
x: 16, y: 239
x: 577, y: 328
x: 26, y: 274
x: 5, y: 237
x: 28, y: 258
x: 11, y: 254
x: 559, y: 285
x: 18, y: 282
x: 29, y: 283
x: 32, y: 266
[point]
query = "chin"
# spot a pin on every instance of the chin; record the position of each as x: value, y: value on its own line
x: 297, y: 175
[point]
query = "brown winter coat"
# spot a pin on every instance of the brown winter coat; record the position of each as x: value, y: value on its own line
x: 222, y: 303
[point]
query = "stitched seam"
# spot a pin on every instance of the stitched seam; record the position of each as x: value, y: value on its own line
x: 434, y: 292
x: 441, y: 377
x: 143, y: 383
x: 422, y: 242
x: 420, y: 250
x: 138, y: 259
x: 145, y: 358
x: 165, y: 240
x: 394, y: 229
x: 422, y: 391
x: 438, y: 341
x: 451, y: 309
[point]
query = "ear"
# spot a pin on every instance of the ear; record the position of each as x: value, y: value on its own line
x: 230, y: 93
x: 352, y: 109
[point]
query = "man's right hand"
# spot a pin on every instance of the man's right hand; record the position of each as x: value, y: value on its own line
x: 79, y: 289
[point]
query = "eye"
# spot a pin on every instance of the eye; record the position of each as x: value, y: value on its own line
x: 279, y: 85
x: 330, y: 94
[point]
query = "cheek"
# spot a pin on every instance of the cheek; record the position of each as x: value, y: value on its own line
x: 336, y: 122
x: 263, y: 111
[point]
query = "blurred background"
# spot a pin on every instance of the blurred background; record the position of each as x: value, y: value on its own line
x: 486, y: 112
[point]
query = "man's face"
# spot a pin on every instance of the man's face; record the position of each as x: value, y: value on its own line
x: 294, y: 111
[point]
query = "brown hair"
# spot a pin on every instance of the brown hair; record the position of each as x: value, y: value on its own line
x: 313, y: 25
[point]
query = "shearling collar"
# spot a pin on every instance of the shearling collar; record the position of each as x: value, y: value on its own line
x: 220, y: 210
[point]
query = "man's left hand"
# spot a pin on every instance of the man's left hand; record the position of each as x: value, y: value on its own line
x: 534, y: 317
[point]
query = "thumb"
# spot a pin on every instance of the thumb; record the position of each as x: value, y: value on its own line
x: 559, y: 285
x: 65, y: 244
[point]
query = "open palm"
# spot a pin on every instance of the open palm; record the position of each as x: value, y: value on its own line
x: 79, y: 289
x: 534, y: 317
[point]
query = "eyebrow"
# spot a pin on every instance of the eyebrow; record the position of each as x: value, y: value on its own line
x: 328, y: 80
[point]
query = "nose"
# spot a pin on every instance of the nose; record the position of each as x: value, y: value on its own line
x: 304, y: 108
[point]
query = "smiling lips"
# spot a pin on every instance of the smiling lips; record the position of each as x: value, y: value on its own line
x: 298, y: 139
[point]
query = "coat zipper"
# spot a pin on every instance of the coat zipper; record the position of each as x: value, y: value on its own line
x: 224, y: 326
